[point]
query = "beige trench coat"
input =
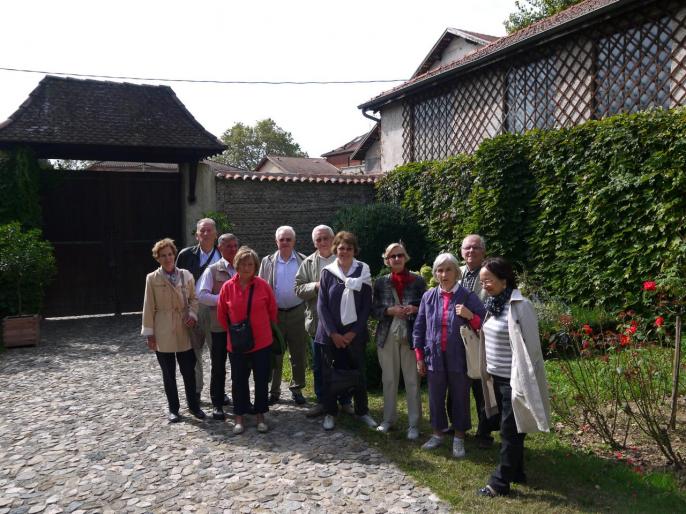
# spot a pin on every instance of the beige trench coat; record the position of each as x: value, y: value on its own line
x: 530, y: 396
x: 164, y: 311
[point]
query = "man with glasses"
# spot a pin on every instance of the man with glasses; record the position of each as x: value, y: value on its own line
x: 307, y: 288
x: 279, y: 269
x: 473, y: 252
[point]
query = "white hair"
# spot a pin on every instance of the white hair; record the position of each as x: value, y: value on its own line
x: 444, y: 258
x: 227, y: 237
x: 205, y: 220
x: 285, y: 228
x: 482, y: 241
x: 318, y: 228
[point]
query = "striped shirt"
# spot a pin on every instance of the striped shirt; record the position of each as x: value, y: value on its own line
x: 498, y: 348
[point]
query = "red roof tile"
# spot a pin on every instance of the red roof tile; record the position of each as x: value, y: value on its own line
x: 308, y: 178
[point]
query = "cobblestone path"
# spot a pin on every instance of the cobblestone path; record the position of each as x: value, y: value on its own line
x: 83, y: 429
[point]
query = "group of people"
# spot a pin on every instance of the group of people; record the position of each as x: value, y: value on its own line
x: 217, y: 293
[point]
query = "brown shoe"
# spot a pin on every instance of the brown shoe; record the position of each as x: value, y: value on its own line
x: 315, y: 411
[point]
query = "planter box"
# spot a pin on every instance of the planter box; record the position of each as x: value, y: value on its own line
x: 21, y: 331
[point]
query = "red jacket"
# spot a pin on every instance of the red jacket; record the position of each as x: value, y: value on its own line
x: 234, y: 301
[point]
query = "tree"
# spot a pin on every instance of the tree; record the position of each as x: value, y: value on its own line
x: 248, y: 145
x: 530, y: 11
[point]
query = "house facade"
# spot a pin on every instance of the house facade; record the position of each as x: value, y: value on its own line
x: 596, y: 59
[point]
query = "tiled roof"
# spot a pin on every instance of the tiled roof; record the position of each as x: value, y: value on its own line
x: 300, y: 165
x: 300, y: 177
x: 350, y: 146
x: 67, y: 111
x: 161, y: 167
x: 538, y: 31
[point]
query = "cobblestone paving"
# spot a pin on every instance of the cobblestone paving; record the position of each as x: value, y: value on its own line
x: 83, y: 429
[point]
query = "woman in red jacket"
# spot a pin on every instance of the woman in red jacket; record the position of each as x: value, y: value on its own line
x: 232, y: 308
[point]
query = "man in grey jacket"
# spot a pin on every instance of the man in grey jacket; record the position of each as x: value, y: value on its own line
x: 279, y: 269
x: 307, y: 288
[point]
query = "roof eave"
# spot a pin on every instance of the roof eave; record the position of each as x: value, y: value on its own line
x: 553, y: 33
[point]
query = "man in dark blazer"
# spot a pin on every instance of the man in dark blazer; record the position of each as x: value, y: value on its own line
x: 196, y: 259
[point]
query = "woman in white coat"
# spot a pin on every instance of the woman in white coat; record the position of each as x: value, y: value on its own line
x: 513, y: 373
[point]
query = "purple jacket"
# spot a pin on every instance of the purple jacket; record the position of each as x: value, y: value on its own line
x: 427, y: 329
x: 329, y: 308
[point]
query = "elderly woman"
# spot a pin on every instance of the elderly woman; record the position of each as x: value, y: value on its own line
x: 170, y: 309
x: 343, y: 305
x: 247, y: 297
x: 396, y: 301
x: 440, y: 350
x: 513, y: 374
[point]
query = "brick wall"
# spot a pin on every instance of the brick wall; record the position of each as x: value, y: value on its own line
x: 257, y: 208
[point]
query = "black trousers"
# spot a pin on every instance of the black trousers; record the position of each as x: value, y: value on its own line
x: 186, y: 362
x: 218, y: 355
x: 352, y: 358
x: 511, y: 467
x: 486, y: 424
x: 242, y: 364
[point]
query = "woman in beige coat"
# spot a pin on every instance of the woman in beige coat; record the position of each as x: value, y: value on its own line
x: 170, y: 308
x: 512, y: 370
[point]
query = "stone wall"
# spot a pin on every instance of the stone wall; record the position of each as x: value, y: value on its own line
x: 256, y: 208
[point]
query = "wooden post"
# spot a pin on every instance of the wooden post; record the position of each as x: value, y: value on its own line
x: 675, y: 372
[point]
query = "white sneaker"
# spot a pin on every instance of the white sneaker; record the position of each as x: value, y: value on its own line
x: 434, y: 442
x: 384, y: 427
x: 368, y: 420
x: 412, y: 433
x: 238, y: 429
x: 329, y: 422
x: 458, y: 448
x: 262, y: 427
x: 348, y: 408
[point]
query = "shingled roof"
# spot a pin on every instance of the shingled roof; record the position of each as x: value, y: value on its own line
x: 98, y: 120
x: 300, y: 165
x: 537, y: 33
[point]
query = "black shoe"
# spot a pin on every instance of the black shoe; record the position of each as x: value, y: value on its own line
x: 227, y: 400
x: 489, y: 492
x: 198, y: 413
x: 173, y: 417
x: 218, y: 414
x: 273, y: 399
x: 298, y: 398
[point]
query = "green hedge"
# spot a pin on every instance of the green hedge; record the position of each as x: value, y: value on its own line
x: 587, y: 212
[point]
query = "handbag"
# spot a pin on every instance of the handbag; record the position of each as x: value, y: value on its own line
x: 242, y: 340
x: 195, y: 333
x: 471, y: 342
x: 340, y: 381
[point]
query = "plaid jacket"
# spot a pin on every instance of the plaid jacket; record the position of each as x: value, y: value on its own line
x: 383, y: 298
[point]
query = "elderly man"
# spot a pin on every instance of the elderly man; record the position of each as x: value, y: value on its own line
x: 307, y: 288
x: 279, y: 269
x: 210, y: 284
x: 196, y: 259
x: 473, y: 252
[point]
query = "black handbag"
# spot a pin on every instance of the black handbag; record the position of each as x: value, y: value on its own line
x: 242, y: 340
x: 340, y: 380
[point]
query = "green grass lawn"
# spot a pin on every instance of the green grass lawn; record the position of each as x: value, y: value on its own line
x: 560, y: 478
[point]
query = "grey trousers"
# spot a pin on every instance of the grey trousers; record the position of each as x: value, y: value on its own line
x: 292, y: 325
x: 204, y: 320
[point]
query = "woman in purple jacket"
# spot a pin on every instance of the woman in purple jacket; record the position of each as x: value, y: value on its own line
x: 343, y: 304
x: 440, y: 350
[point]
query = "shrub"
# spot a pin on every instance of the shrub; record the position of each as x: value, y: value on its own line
x: 378, y: 225
x: 20, y: 176
x: 27, y: 265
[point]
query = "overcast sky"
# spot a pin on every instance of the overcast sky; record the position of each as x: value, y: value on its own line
x: 247, y: 40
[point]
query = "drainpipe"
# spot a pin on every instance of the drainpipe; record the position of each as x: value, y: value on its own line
x: 369, y: 116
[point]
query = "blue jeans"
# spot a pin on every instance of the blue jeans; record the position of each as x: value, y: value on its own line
x: 317, y: 372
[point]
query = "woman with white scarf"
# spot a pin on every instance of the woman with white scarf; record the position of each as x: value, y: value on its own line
x: 343, y: 305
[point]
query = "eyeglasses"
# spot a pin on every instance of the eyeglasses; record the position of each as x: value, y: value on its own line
x: 396, y: 256
x: 320, y: 239
x: 472, y: 247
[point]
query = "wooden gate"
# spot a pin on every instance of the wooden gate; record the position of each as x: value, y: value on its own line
x: 103, y: 226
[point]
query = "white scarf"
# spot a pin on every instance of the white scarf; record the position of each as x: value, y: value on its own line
x: 348, y: 312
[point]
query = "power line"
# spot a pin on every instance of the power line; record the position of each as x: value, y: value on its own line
x: 199, y: 81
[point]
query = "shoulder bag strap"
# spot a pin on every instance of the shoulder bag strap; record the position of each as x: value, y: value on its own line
x: 252, y: 288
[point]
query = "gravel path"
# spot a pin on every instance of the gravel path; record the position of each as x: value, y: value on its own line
x: 83, y: 429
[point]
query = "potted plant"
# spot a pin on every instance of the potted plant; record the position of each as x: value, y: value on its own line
x: 27, y: 264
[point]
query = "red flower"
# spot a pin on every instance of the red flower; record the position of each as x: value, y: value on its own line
x: 585, y: 345
x: 587, y: 329
x: 619, y: 455
x: 659, y: 321
x: 632, y: 329
x: 624, y: 340
x: 649, y: 285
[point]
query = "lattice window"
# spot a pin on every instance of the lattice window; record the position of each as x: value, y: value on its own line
x: 633, y: 69
x: 531, y: 91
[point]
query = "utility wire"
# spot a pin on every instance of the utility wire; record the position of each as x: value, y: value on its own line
x: 199, y: 81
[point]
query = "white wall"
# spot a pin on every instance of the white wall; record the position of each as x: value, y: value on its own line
x: 455, y: 50
x: 391, y: 136
x: 205, y: 199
